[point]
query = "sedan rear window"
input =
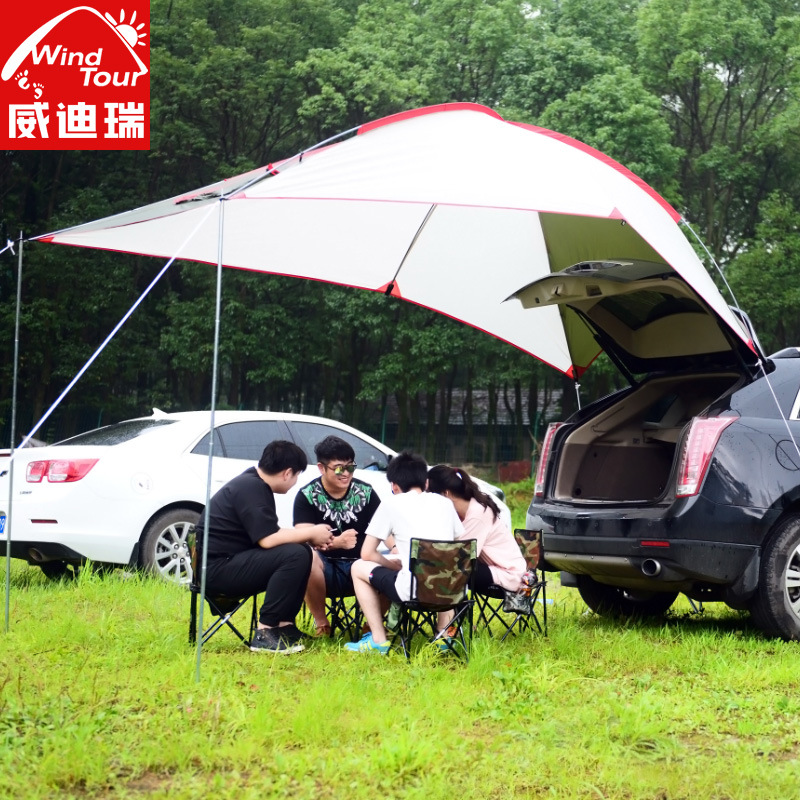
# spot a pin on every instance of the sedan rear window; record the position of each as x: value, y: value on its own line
x: 243, y: 440
x: 307, y: 434
x: 119, y: 433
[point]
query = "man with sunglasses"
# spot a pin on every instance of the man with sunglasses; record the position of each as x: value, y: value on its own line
x: 345, y: 504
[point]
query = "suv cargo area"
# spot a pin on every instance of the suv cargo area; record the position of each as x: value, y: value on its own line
x: 626, y: 452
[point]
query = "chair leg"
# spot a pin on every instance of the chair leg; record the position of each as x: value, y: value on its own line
x: 225, y: 619
x: 345, y: 618
x: 488, y: 613
x: 463, y: 620
x: 193, y: 617
x: 253, y: 619
x: 523, y: 621
x: 424, y: 621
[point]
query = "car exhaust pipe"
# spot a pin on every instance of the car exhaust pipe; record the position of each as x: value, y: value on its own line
x: 36, y: 556
x: 651, y: 567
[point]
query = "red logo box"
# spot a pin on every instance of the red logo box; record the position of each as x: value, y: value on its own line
x: 75, y: 77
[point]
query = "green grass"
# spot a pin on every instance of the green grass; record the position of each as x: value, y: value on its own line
x: 518, y: 498
x: 98, y: 698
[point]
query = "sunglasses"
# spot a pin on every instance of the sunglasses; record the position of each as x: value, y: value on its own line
x: 342, y: 468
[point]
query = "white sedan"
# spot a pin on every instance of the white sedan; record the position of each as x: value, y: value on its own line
x: 129, y: 493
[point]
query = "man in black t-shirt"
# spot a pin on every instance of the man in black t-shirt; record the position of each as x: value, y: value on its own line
x: 248, y: 552
x: 346, y: 505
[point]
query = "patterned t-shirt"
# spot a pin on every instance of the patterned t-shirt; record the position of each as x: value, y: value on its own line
x: 315, y: 506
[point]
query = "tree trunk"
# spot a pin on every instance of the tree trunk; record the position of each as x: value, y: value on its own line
x: 467, y: 416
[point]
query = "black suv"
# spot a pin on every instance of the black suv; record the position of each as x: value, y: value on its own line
x: 687, y: 481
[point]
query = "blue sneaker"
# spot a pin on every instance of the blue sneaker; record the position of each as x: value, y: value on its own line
x: 367, y: 644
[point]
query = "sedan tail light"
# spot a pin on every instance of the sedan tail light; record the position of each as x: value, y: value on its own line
x: 541, y: 470
x: 60, y: 470
x: 703, y: 436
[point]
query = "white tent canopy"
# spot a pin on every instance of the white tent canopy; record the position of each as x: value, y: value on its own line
x: 450, y: 207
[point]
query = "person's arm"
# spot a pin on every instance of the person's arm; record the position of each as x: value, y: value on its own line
x: 370, y: 552
x: 346, y: 540
x: 476, y: 526
x: 306, y: 516
x: 319, y: 536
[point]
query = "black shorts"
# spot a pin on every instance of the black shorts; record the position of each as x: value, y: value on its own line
x: 338, y: 582
x: 383, y: 579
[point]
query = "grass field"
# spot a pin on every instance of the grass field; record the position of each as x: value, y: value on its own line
x: 99, y: 699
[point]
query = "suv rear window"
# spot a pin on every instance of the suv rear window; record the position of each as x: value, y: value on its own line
x: 642, y: 308
x: 118, y: 433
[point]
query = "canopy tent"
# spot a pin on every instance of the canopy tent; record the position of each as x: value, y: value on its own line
x: 450, y: 207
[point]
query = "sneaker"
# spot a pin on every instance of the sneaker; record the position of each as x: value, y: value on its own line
x: 293, y: 634
x: 268, y: 640
x: 367, y: 644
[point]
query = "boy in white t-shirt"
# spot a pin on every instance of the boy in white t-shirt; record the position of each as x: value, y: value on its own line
x: 411, y: 513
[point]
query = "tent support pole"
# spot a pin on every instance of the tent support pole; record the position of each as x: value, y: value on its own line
x: 13, y: 435
x: 214, y: 380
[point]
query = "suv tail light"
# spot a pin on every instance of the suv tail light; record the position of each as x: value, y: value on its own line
x: 541, y: 470
x: 703, y: 436
x: 59, y: 471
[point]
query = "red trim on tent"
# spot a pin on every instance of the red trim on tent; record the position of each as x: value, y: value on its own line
x: 419, y: 112
x: 395, y: 290
x: 568, y: 140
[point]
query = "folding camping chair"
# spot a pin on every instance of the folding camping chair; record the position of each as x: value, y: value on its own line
x: 222, y: 608
x: 345, y: 616
x: 441, y: 576
x: 344, y: 613
x: 493, y: 604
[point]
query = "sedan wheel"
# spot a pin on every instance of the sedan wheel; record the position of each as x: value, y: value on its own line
x: 165, y: 545
x: 776, y: 606
x: 613, y: 601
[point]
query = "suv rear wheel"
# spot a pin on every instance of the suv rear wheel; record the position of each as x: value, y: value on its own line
x: 776, y: 606
x: 613, y: 601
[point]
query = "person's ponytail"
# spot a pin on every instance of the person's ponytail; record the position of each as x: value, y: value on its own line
x: 443, y: 478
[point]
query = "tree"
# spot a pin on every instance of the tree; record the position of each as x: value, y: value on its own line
x: 728, y: 75
x: 764, y: 279
x: 615, y: 114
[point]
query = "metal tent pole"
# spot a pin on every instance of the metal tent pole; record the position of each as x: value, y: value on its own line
x: 214, y: 379
x: 7, y: 523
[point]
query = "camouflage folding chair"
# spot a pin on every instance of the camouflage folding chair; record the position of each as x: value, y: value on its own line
x: 523, y: 604
x: 441, y: 576
x: 222, y: 608
x: 494, y: 605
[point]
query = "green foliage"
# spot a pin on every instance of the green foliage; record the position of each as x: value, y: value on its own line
x: 764, y: 279
x: 727, y: 73
x: 698, y: 98
x: 615, y: 114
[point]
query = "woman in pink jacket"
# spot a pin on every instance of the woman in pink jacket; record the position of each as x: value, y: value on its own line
x: 499, y: 559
